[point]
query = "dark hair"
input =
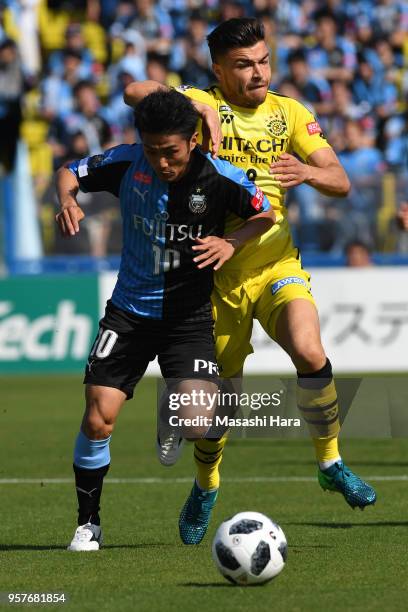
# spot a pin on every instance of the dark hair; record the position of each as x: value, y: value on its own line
x: 234, y: 33
x: 166, y: 112
x: 72, y: 53
x: 159, y: 58
x: 84, y: 84
x: 7, y: 43
x: 324, y: 13
x: 298, y: 55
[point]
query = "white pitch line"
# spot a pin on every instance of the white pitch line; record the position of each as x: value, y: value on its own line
x: 255, y: 479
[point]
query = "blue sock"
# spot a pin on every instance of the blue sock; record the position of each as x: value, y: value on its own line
x: 91, y: 454
x: 91, y: 464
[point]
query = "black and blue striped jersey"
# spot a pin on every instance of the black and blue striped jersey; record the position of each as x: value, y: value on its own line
x: 158, y: 278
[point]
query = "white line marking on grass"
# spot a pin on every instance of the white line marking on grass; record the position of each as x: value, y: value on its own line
x: 143, y: 481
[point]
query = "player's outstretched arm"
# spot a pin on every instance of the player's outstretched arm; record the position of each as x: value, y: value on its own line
x: 215, y: 250
x: 211, y: 127
x: 135, y: 92
x: 323, y: 171
x: 252, y: 228
x: 70, y: 214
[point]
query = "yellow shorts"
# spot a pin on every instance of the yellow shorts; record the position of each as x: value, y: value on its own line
x: 239, y: 297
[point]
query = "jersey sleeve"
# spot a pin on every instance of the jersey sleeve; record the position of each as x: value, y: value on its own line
x: 102, y: 172
x: 307, y: 136
x: 241, y: 196
x: 198, y: 95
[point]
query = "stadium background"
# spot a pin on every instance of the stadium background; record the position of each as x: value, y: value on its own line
x: 63, y: 67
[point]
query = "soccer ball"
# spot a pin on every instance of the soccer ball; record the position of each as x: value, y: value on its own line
x: 249, y: 548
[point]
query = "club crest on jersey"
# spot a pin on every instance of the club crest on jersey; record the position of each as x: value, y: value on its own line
x: 227, y: 116
x: 276, y: 125
x: 197, y: 202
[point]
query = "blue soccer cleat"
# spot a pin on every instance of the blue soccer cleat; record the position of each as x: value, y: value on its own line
x: 341, y: 479
x: 195, y: 515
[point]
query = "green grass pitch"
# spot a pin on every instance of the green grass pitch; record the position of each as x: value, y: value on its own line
x: 339, y: 559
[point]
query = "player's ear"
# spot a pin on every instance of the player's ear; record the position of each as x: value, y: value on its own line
x: 193, y: 141
x: 216, y: 70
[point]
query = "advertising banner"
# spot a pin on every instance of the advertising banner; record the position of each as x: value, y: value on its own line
x: 364, y: 322
x: 47, y: 323
x: 363, y: 315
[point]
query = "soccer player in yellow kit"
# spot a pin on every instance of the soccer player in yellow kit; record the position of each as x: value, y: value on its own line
x: 261, y: 131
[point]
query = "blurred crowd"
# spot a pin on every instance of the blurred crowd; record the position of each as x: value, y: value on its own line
x: 64, y: 66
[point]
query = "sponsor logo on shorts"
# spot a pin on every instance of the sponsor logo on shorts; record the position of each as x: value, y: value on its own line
x: 202, y: 364
x: 289, y: 280
x: 313, y: 128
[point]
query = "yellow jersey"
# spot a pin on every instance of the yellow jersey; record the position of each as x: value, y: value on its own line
x: 253, y: 138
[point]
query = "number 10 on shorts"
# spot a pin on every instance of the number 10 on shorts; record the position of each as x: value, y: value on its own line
x: 104, y: 343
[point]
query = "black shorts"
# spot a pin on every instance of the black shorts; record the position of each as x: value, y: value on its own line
x: 126, y: 343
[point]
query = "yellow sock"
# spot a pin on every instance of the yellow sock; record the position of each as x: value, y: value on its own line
x: 319, y: 408
x: 208, y: 456
x: 326, y: 449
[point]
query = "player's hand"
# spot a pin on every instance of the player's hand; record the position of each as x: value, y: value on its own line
x: 211, y: 128
x: 68, y: 219
x: 402, y: 216
x: 213, y: 250
x: 289, y: 171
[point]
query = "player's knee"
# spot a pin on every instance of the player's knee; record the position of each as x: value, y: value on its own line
x: 308, y: 357
x: 96, y: 428
x: 191, y: 434
x: 97, y: 423
x: 195, y: 428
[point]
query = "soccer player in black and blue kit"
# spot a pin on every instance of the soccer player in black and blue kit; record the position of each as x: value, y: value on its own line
x: 174, y: 200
